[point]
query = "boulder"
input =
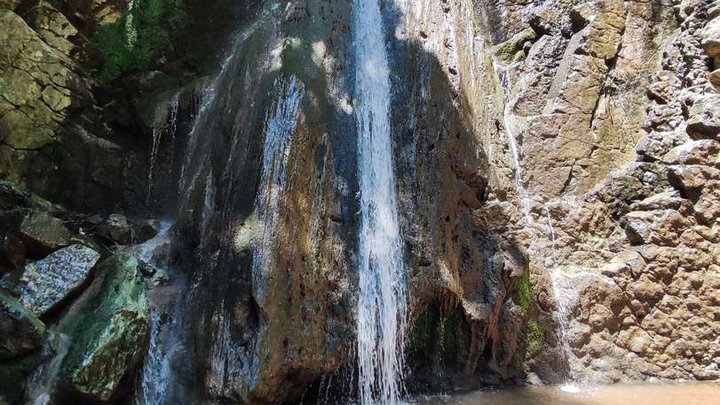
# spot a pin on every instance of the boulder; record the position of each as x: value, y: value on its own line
x: 109, y: 330
x: 704, y: 151
x: 692, y: 177
x: 43, y: 285
x: 20, y: 330
x: 662, y: 227
x: 43, y: 232
x: 710, y: 38
x: 116, y: 228
x: 145, y: 230
x: 13, y: 196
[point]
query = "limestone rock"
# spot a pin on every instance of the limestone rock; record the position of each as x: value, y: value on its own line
x: 692, y: 177
x: 20, y: 330
x: 711, y: 38
x: 42, y: 285
x: 109, y: 330
x: 661, y: 227
x: 704, y: 118
x: 44, y: 231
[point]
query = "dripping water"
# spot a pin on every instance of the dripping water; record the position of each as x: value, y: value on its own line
x: 522, y: 193
x: 382, y: 299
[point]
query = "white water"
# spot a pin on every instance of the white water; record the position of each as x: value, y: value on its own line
x: 382, y: 302
x: 157, y: 376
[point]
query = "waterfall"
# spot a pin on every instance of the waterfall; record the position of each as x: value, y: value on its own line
x: 382, y: 302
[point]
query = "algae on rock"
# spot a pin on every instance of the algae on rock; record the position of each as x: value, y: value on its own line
x: 109, y: 330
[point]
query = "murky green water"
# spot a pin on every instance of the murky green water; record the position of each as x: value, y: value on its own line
x: 646, y: 394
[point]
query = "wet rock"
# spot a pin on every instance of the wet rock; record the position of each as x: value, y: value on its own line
x: 116, y: 228
x: 109, y: 330
x: 20, y: 330
x: 143, y: 231
x: 43, y: 285
x: 43, y: 232
x: 160, y: 277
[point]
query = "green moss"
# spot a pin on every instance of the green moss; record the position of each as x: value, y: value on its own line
x: 439, y: 339
x: 534, y: 336
x: 507, y: 50
x: 524, y: 291
x: 138, y: 38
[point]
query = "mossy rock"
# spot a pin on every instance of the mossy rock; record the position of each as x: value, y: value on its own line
x: 109, y: 331
x: 534, y: 336
x: 508, y: 50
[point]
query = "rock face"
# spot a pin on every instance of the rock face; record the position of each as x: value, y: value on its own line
x: 108, y: 330
x: 42, y: 285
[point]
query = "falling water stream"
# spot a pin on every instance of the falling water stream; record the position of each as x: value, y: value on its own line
x: 382, y: 301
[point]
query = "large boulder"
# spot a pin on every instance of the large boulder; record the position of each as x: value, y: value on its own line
x: 116, y: 228
x: 109, y: 330
x: 44, y: 232
x: 20, y: 330
x: 43, y: 285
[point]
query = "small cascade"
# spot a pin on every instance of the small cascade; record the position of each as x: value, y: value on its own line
x: 280, y: 126
x: 562, y: 286
x: 165, y: 120
x: 382, y: 303
x: 190, y: 169
x: 561, y: 282
x: 157, y: 376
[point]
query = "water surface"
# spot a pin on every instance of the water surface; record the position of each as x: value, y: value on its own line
x: 646, y: 394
